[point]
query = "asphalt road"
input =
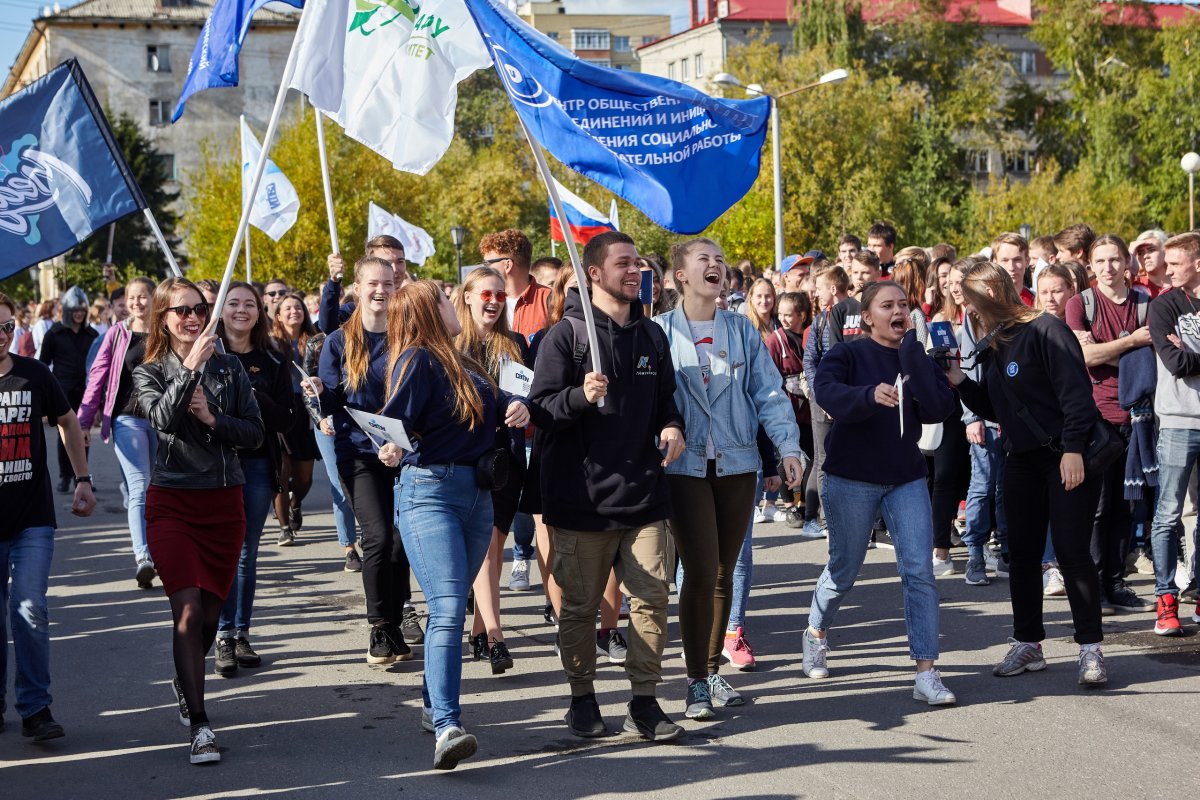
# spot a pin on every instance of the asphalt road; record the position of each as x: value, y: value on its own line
x: 315, y: 721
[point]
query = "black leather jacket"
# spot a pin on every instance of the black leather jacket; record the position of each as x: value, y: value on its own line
x: 191, y: 455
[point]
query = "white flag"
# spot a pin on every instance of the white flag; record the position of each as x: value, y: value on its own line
x: 277, y: 205
x: 418, y: 245
x: 397, y: 89
x: 613, y: 215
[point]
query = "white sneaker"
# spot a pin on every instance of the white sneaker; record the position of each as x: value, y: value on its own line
x: 760, y: 515
x: 929, y: 688
x: 453, y: 746
x: 814, y: 651
x: 942, y: 566
x: 1052, y: 582
x: 814, y: 530
x: 518, y: 580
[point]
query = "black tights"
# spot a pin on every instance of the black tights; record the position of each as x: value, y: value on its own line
x: 296, y: 478
x: 195, y: 613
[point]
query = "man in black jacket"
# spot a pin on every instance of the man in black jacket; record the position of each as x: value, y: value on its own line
x: 65, y: 350
x: 604, y: 488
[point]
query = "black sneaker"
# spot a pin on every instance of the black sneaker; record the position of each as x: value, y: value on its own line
x: 379, y: 646
x: 295, y: 518
x: 501, y: 660
x: 479, y: 647
x: 1121, y: 598
x: 41, y: 727
x: 287, y: 537
x: 647, y: 719
x: 353, y: 562
x: 226, y: 660
x: 583, y: 717
x: 400, y: 650
x: 64, y: 486
x: 246, y: 657
x: 410, y: 626
x: 549, y: 616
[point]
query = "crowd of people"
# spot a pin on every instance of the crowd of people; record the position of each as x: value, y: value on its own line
x: 1036, y: 404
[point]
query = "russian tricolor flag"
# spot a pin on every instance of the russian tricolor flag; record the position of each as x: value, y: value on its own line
x: 584, y: 220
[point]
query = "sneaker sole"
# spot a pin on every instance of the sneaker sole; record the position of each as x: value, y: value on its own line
x: 463, y: 748
x: 984, y: 582
x: 45, y: 737
x: 248, y: 663
x: 381, y: 660
x: 631, y: 727
x: 949, y: 701
x: 1037, y: 666
x: 205, y: 758
x: 703, y: 713
x: 351, y: 569
x: 1111, y: 609
x: 518, y: 587
x: 1093, y: 684
x: 730, y: 703
x: 747, y: 667
x: 226, y: 672
x: 1168, y: 631
x: 584, y: 734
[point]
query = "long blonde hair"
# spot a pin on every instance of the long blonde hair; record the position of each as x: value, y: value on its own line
x: 495, y: 345
x: 415, y: 322
x: 764, y: 326
x: 998, y: 309
x: 356, y: 357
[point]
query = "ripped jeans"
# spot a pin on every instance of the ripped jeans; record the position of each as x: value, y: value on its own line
x: 26, y: 557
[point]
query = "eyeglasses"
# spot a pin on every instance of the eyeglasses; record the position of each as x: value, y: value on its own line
x: 490, y: 261
x: 276, y: 293
x: 488, y: 296
x: 200, y: 310
x: 8, y: 327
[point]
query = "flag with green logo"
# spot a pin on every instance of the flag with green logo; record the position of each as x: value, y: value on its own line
x: 392, y: 79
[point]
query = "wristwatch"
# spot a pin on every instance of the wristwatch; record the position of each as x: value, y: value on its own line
x: 82, y: 479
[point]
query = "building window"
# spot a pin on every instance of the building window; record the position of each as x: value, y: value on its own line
x: 167, y: 162
x: 978, y: 162
x: 671, y: 71
x: 684, y: 66
x: 648, y: 39
x: 1025, y: 61
x: 699, y: 59
x: 160, y: 112
x: 1023, y: 162
x: 589, y: 39
x: 553, y: 35
x: 621, y: 44
x: 158, y: 58
x: 599, y: 62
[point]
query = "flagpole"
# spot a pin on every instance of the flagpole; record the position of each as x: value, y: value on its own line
x: 249, y: 273
x: 289, y: 70
x: 580, y: 275
x: 333, y: 237
x: 162, y: 243
x: 112, y: 231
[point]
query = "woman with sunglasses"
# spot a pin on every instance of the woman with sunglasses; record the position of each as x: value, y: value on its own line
x: 244, y: 329
x: 291, y: 330
x: 110, y: 396
x: 451, y: 410
x: 202, y: 405
x: 485, y: 339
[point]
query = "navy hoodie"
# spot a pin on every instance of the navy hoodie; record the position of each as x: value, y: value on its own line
x: 601, y: 469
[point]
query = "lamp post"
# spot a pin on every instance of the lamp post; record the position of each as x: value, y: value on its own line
x: 1191, y: 165
x: 1026, y: 231
x: 727, y: 80
x: 35, y: 274
x: 458, y: 235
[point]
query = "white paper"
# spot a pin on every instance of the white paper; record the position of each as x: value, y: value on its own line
x: 382, y: 428
x: 900, y: 401
x: 515, y: 377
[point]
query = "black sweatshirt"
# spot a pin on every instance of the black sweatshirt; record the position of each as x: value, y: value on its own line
x: 601, y: 469
x: 1042, y: 365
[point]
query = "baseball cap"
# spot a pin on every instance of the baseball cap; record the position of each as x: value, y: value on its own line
x: 800, y: 261
x: 1155, y: 237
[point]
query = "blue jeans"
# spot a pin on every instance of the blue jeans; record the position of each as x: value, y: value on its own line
x: 1178, y: 451
x: 986, y: 492
x: 27, y: 558
x: 343, y: 513
x: 136, y: 445
x: 851, y: 508
x: 445, y: 522
x: 743, y: 574
x: 257, y: 493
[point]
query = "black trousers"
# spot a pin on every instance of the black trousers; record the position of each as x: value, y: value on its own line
x: 65, y: 470
x: 371, y: 488
x: 1034, y: 498
x: 948, y: 479
x: 1112, y: 528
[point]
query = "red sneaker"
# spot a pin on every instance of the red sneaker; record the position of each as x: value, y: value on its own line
x: 737, y: 650
x: 1168, y: 616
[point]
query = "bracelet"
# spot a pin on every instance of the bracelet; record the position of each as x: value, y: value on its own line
x: 82, y: 479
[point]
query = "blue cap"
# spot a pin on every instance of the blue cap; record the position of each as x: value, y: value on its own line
x: 790, y: 262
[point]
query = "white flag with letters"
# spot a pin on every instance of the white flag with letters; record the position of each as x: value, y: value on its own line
x: 277, y: 205
x: 418, y: 245
x: 401, y: 63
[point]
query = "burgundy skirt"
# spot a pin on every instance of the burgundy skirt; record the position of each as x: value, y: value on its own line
x: 195, y: 536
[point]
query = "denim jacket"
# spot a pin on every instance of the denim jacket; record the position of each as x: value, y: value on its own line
x: 744, y: 390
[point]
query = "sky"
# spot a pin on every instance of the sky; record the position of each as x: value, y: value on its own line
x: 15, y: 17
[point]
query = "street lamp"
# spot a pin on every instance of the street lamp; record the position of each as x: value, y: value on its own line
x: 731, y: 81
x: 1026, y: 231
x: 1191, y: 165
x: 458, y: 234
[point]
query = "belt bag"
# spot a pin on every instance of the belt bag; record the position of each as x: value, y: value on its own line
x: 1105, y: 444
x: 493, y: 468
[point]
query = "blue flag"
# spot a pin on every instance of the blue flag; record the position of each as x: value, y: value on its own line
x: 62, y: 174
x: 214, y: 61
x: 677, y: 154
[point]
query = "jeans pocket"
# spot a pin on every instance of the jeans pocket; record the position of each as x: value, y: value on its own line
x: 435, y: 474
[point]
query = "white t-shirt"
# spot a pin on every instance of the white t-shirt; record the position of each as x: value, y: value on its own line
x: 702, y: 338
x: 510, y: 308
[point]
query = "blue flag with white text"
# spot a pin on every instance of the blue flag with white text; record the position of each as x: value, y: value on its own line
x: 62, y: 174
x: 679, y: 155
x: 214, y: 61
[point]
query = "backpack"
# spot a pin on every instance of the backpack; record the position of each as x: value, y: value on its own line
x: 579, y: 337
x: 1089, y: 306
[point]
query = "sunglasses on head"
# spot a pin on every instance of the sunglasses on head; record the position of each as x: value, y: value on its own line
x: 8, y: 327
x: 488, y: 296
x: 490, y: 261
x: 200, y: 310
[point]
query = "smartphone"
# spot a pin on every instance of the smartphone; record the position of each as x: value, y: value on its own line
x: 646, y: 293
x: 941, y: 334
